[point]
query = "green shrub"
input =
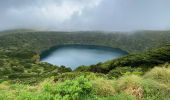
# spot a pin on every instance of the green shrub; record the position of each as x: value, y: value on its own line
x: 159, y: 74
x: 64, y: 69
x: 19, y: 75
x: 19, y: 69
x: 74, y: 75
x: 130, y: 85
x: 143, y: 88
x: 82, y: 68
x: 25, y: 96
x: 152, y: 90
x: 119, y: 96
x: 68, y: 90
x: 74, y: 89
x: 120, y: 71
x: 103, y: 87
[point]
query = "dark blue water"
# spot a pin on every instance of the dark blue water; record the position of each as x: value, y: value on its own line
x: 77, y: 55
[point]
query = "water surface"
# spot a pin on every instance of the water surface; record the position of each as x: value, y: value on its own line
x: 77, y: 55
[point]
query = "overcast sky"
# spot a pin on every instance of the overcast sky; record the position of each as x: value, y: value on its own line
x: 77, y: 15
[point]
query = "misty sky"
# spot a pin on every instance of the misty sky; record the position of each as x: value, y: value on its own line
x: 76, y: 15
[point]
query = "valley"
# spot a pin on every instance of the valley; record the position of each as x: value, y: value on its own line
x: 146, y: 66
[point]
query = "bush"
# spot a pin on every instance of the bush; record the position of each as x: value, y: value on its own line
x: 142, y: 88
x: 119, y: 96
x: 154, y: 91
x: 159, y: 74
x: 120, y: 71
x: 104, y: 87
x: 19, y: 69
x: 82, y: 68
x: 74, y: 75
x: 69, y: 90
x: 63, y: 69
x: 130, y: 85
x: 15, y: 76
x: 74, y: 89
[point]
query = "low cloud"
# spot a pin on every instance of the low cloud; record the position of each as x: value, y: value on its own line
x: 104, y: 15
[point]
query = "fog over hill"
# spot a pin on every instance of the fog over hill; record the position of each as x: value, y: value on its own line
x: 83, y: 15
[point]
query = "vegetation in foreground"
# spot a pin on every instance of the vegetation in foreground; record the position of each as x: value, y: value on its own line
x: 154, y: 85
x: 132, y: 77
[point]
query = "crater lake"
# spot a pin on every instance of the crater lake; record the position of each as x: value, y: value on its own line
x: 74, y: 56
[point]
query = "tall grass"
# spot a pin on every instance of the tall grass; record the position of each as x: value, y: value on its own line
x: 160, y: 74
x: 154, y: 85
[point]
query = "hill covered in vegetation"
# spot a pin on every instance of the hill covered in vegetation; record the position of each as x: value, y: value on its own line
x: 143, y: 61
x: 154, y: 85
x: 40, y: 41
x: 143, y: 74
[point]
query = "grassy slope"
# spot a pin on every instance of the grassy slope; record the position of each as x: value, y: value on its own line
x: 24, y: 66
x: 144, y: 60
x: 19, y: 61
x: 40, y: 41
x: 154, y: 85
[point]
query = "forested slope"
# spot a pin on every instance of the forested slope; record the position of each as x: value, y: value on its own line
x: 141, y: 62
x: 141, y: 75
x: 131, y: 42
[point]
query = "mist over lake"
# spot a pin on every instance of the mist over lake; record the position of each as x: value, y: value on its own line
x: 77, y: 55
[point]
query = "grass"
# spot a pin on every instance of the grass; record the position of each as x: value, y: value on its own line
x: 104, y: 87
x: 154, y: 85
x: 160, y: 74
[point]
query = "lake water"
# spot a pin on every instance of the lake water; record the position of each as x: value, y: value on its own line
x: 76, y: 55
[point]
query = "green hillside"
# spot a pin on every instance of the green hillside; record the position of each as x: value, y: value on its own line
x: 144, y: 74
x: 40, y: 41
x: 154, y: 85
x: 143, y: 61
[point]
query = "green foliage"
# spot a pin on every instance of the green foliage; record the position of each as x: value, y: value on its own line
x: 120, y: 96
x: 122, y: 78
x: 68, y: 90
x: 74, y: 89
x: 140, y: 87
x: 152, y: 90
x: 145, y: 60
x: 159, y: 74
x: 128, y: 87
x: 82, y: 69
x: 24, y: 66
x: 104, y: 87
x: 74, y: 75
x: 40, y: 41
x: 126, y: 82
x: 64, y: 69
x: 120, y: 71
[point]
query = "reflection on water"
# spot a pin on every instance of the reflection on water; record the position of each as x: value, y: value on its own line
x: 76, y: 55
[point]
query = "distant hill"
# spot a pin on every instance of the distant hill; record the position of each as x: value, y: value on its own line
x: 43, y: 40
x: 16, y: 31
x: 143, y: 74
